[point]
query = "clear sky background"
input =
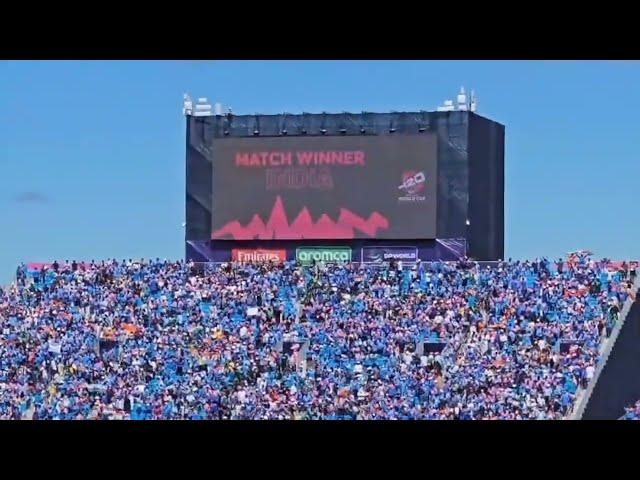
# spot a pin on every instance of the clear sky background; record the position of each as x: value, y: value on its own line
x: 92, y: 153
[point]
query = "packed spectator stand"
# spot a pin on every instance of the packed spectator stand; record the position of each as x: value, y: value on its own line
x: 633, y: 412
x: 175, y: 340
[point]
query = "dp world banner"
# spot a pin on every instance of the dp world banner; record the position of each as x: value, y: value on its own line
x: 387, y: 254
x: 307, y: 255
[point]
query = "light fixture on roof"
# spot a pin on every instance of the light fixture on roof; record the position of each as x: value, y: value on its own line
x: 203, y: 108
x: 474, y: 102
x: 463, y: 103
x: 187, y: 108
x: 462, y: 100
x: 447, y: 106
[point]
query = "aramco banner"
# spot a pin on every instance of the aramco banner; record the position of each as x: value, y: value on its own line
x: 307, y: 255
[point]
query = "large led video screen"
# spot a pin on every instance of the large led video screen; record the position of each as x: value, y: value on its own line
x: 335, y: 187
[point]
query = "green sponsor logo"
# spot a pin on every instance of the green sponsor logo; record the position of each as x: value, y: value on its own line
x: 307, y: 255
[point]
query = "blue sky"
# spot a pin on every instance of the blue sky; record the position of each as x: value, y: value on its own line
x: 92, y: 153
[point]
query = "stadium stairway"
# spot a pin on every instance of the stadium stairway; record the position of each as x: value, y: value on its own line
x: 616, y: 381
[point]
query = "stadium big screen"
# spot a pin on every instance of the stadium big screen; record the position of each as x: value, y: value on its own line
x: 324, y: 187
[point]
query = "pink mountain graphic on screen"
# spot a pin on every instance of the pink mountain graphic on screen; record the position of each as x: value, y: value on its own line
x: 348, y: 225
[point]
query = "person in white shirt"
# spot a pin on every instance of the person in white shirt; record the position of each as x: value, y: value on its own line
x: 407, y: 357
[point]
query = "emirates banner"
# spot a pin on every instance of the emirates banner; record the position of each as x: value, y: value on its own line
x: 258, y: 255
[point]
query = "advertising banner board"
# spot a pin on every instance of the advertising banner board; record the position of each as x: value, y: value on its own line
x: 307, y: 255
x: 258, y: 255
x: 388, y: 254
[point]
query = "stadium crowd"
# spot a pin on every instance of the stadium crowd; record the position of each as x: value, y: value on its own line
x: 633, y: 412
x: 162, y: 340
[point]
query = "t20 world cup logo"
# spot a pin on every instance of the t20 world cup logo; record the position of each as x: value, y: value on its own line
x: 413, y: 182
